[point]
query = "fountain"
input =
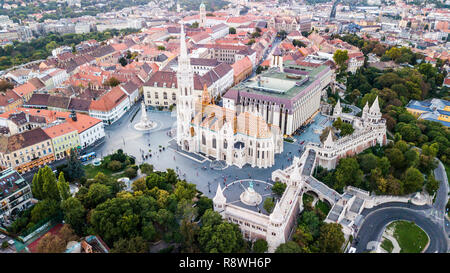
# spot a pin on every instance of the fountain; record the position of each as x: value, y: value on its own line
x: 250, y: 197
x: 144, y: 124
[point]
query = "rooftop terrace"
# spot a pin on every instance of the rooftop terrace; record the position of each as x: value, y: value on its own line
x: 293, y: 81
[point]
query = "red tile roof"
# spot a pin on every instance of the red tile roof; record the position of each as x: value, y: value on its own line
x: 108, y: 101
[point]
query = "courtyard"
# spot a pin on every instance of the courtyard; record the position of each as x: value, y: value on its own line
x: 158, y: 143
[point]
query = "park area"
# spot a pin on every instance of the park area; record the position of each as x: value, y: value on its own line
x: 404, y: 237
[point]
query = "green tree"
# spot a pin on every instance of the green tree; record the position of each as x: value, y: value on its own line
x: 278, y: 188
x: 146, y: 168
x: 412, y: 158
x: 112, y: 82
x: 211, y: 218
x: 347, y: 129
x: 37, y: 184
x: 298, y: 43
x: 384, y: 165
x: 118, y: 218
x: 221, y: 238
x: 311, y: 222
x: 133, y: 245
x: 340, y: 57
x: 139, y: 185
x: 268, y: 204
x: 396, y: 157
x: 195, y: 25
x: 184, y: 190
x: 74, y: 170
x: 97, y: 194
x: 368, y: 162
x: 338, y: 123
x: 232, y: 30
x: 63, y: 187
x: 123, y: 61
x: 50, y: 186
x: 189, y: 231
x: 348, y: 173
x: 432, y: 185
x: 74, y: 214
x: 260, y: 246
x: 50, y: 46
x: 331, y: 238
x: 289, y: 247
x: 114, y: 165
x: 413, y: 180
x: 303, y: 238
x: 44, y: 209
x: 130, y: 172
x: 203, y: 204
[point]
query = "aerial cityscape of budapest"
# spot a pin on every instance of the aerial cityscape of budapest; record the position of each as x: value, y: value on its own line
x: 188, y: 127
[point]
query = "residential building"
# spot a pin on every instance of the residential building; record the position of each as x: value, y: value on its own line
x: 9, y: 100
x: 111, y: 106
x: 15, y: 193
x: 64, y: 138
x: 27, y: 150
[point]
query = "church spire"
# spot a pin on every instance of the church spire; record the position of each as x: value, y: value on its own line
x: 183, y: 48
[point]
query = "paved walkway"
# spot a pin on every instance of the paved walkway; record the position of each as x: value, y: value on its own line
x: 122, y: 135
x: 388, y: 234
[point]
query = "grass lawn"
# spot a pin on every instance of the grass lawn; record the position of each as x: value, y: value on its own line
x: 323, y: 206
x: 91, y: 171
x: 410, y: 237
x: 387, y: 245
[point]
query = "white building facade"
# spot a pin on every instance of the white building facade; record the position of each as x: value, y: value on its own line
x: 370, y: 130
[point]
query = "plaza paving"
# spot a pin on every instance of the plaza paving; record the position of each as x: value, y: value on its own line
x: 122, y: 135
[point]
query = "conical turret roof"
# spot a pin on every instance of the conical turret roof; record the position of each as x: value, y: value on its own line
x: 276, y: 216
x: 219, y: 197
x: 375, y: 108
x: 329, y: 141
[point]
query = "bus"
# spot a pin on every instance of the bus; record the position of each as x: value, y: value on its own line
x: 88, y: 157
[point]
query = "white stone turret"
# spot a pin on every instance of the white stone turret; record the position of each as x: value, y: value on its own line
x: 374, y: 114
x: 276, y: 217
x: 365, y: 111
x: 219, y: 200
x: 329, y: 143
x: 275, y: 231
x: 337, y: 109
